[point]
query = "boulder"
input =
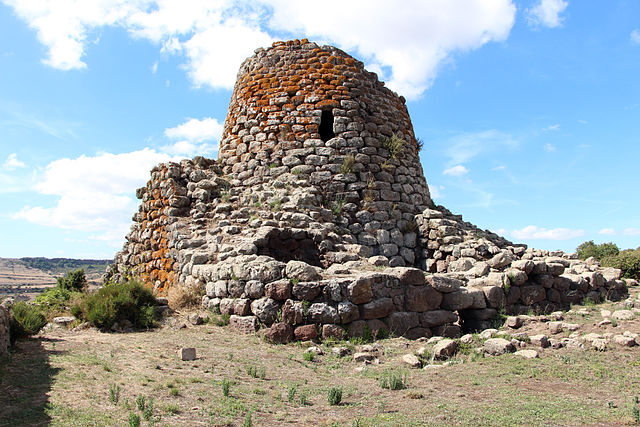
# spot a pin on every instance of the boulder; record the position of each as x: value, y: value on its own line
x: 280, y: 333
x: 265, y: 309
x: 444, y: 284
x: 305, y: 332
x: 422, y: 298
x: 323, y: 313
x: 411, y: 360
x: 302, y: 271
x: 244, y: 324
x: 445, y: 349
x: 376, y: 309
x: 433, y: 318
x: 498, y: 346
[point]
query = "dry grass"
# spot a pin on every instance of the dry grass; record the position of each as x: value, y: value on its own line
x: 180, y: 297
x: 63, y: 378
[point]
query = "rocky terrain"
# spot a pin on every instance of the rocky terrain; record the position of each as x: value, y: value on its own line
x: 572, y: 368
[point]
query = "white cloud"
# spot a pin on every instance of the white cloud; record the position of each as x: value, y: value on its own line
x: 499, y: 168
x: 436, y: 191
x: 458, y: 170
x: 607, y: 231
x: 549, y: 147
x: 411, y: 38
x: 552, y: 127
x: 631, y: 231
x: 12, y: 162
x: 95, y: 194
x: 533, y: 232
x: 547, y: 13
x: 405, y: 42
x: 154, y: 68
x: 196, y: 130
x: 500, y: 232
x: 635, y: 36
x: 194, y: 137
x: 463, y: 147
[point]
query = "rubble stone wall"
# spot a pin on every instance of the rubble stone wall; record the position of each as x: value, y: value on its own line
x: 4, y: 330
x: 317, y: 217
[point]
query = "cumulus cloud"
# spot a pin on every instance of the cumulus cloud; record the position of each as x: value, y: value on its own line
x: 406, y: 42
x: 12, y: 162
x: 195, y: 136
x: 635, y: 36
x: 95, y: 193
x: 458, y: 170
x: 465, y: 146
x: 534, y: 232
x: 549, y: 147
x: 607, y: 231
x: 547, y: 13
x: 631, y: 231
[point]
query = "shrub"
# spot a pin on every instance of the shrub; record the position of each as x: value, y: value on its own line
x: 334, y: 396
x: 130, y: 301
x: 590, y: 249
x: 628, y: 261
x: 25, y: 320
x: 180, y: 297
x: 73, y: 281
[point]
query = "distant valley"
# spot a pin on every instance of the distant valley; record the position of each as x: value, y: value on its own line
x: 26, y: 277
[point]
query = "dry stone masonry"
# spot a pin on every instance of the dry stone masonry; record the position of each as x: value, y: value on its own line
x: 4, y: 330
x: 316, y: 219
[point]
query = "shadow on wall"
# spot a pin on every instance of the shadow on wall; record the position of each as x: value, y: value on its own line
x: 26, y: 377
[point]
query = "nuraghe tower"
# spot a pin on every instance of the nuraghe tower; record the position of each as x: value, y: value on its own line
x: 316, y: 217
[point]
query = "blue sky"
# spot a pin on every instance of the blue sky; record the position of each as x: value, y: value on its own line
x: 529, y: 110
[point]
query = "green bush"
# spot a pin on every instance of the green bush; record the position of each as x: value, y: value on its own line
x: 117, y: 302
x: 25, y: 320
x: 590, y: 249
x: 334, y: 396
x: 628, y: 261
x: 73, y: 281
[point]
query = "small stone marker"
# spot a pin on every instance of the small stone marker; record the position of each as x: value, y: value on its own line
x: 187, y: 353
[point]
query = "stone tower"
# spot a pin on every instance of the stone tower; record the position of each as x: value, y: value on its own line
x: 316, y: 112
x: 318, y: 186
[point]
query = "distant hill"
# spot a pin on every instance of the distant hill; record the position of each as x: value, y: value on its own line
x: 25, y: 277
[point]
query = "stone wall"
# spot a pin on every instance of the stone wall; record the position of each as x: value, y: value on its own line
x: 4, y: 330
x: 316, y: 215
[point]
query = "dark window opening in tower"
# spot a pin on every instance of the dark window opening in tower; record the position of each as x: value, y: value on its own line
x: 326, y: 126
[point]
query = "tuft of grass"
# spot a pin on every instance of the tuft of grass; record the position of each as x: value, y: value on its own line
x: 114, y: 393
x: 223, y: 319
x: 334, y: 396
x: 172, y: 409
x: 393, y: 379
x: 393, y: 145
x: 226, y: 386
x: 347, y: 164
x: 303, y: 398
x: 307, y: 356
x: 134, y: 420
x: 252, y: 371
x: 291, y: 394
x: 247, y: 420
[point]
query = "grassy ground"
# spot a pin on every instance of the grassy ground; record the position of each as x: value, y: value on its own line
x: 86, y: 378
